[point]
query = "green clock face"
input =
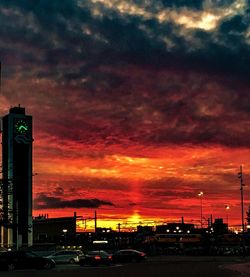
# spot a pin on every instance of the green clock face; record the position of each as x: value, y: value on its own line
x: 21, y: 126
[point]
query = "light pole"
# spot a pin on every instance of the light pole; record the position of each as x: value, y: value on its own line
x: 65, y: 235
x: 240, y: 176
x: 227, y: 209
x: 200, y: 194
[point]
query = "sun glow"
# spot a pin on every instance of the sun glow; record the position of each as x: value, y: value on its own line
x: 123, y: 224
x: 135, y: 218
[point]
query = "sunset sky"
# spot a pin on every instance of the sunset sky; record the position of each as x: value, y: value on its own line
x: 137, y: 105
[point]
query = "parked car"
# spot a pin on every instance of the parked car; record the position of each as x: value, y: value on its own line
x: 11, y: 260
x: 95, y: 258
x: 66, y: 256
x: 128, y: 255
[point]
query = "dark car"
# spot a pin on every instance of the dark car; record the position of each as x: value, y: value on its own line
x: 66, y: 256
x: 95, y: 258
x: 128, y: 255
x: 24, y: 260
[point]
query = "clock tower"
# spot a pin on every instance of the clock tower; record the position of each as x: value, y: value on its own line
x: 17, y: 178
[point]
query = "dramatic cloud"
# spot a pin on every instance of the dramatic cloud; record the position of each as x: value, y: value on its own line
x: 130, y: 99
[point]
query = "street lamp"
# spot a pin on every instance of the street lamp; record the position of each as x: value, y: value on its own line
x: 65, y: 235
x: 200, y: 194
x: 227, y: 209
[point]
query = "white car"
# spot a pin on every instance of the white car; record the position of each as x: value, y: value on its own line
x: 66, y: 256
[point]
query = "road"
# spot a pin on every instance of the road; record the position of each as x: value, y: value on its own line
x: 154, y: 267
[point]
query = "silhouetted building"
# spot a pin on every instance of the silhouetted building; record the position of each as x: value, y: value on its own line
x: 103, y: 230
x: 54, y: 229
x: 145, y: 229
x: 219, y: 227
x: 175, y: 228
x: 17, y: 178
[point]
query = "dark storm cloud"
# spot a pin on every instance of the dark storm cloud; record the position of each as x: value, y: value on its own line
x: 177, y: 88
x: 193, y: 4
x: 236, y: 24
x: 229, y: 53
x: 51, y: 31
x: 63, y: 32
x: 182, y: 3
x: 47, y: 202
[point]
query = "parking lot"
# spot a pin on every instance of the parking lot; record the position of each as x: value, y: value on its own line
x: 154, y: 267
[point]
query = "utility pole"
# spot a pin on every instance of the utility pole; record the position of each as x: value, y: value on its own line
x: 240, y: 176
x: 227, y: 207
x: 95, y: 221
x: 211, y: 220
x: 119, y: 234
